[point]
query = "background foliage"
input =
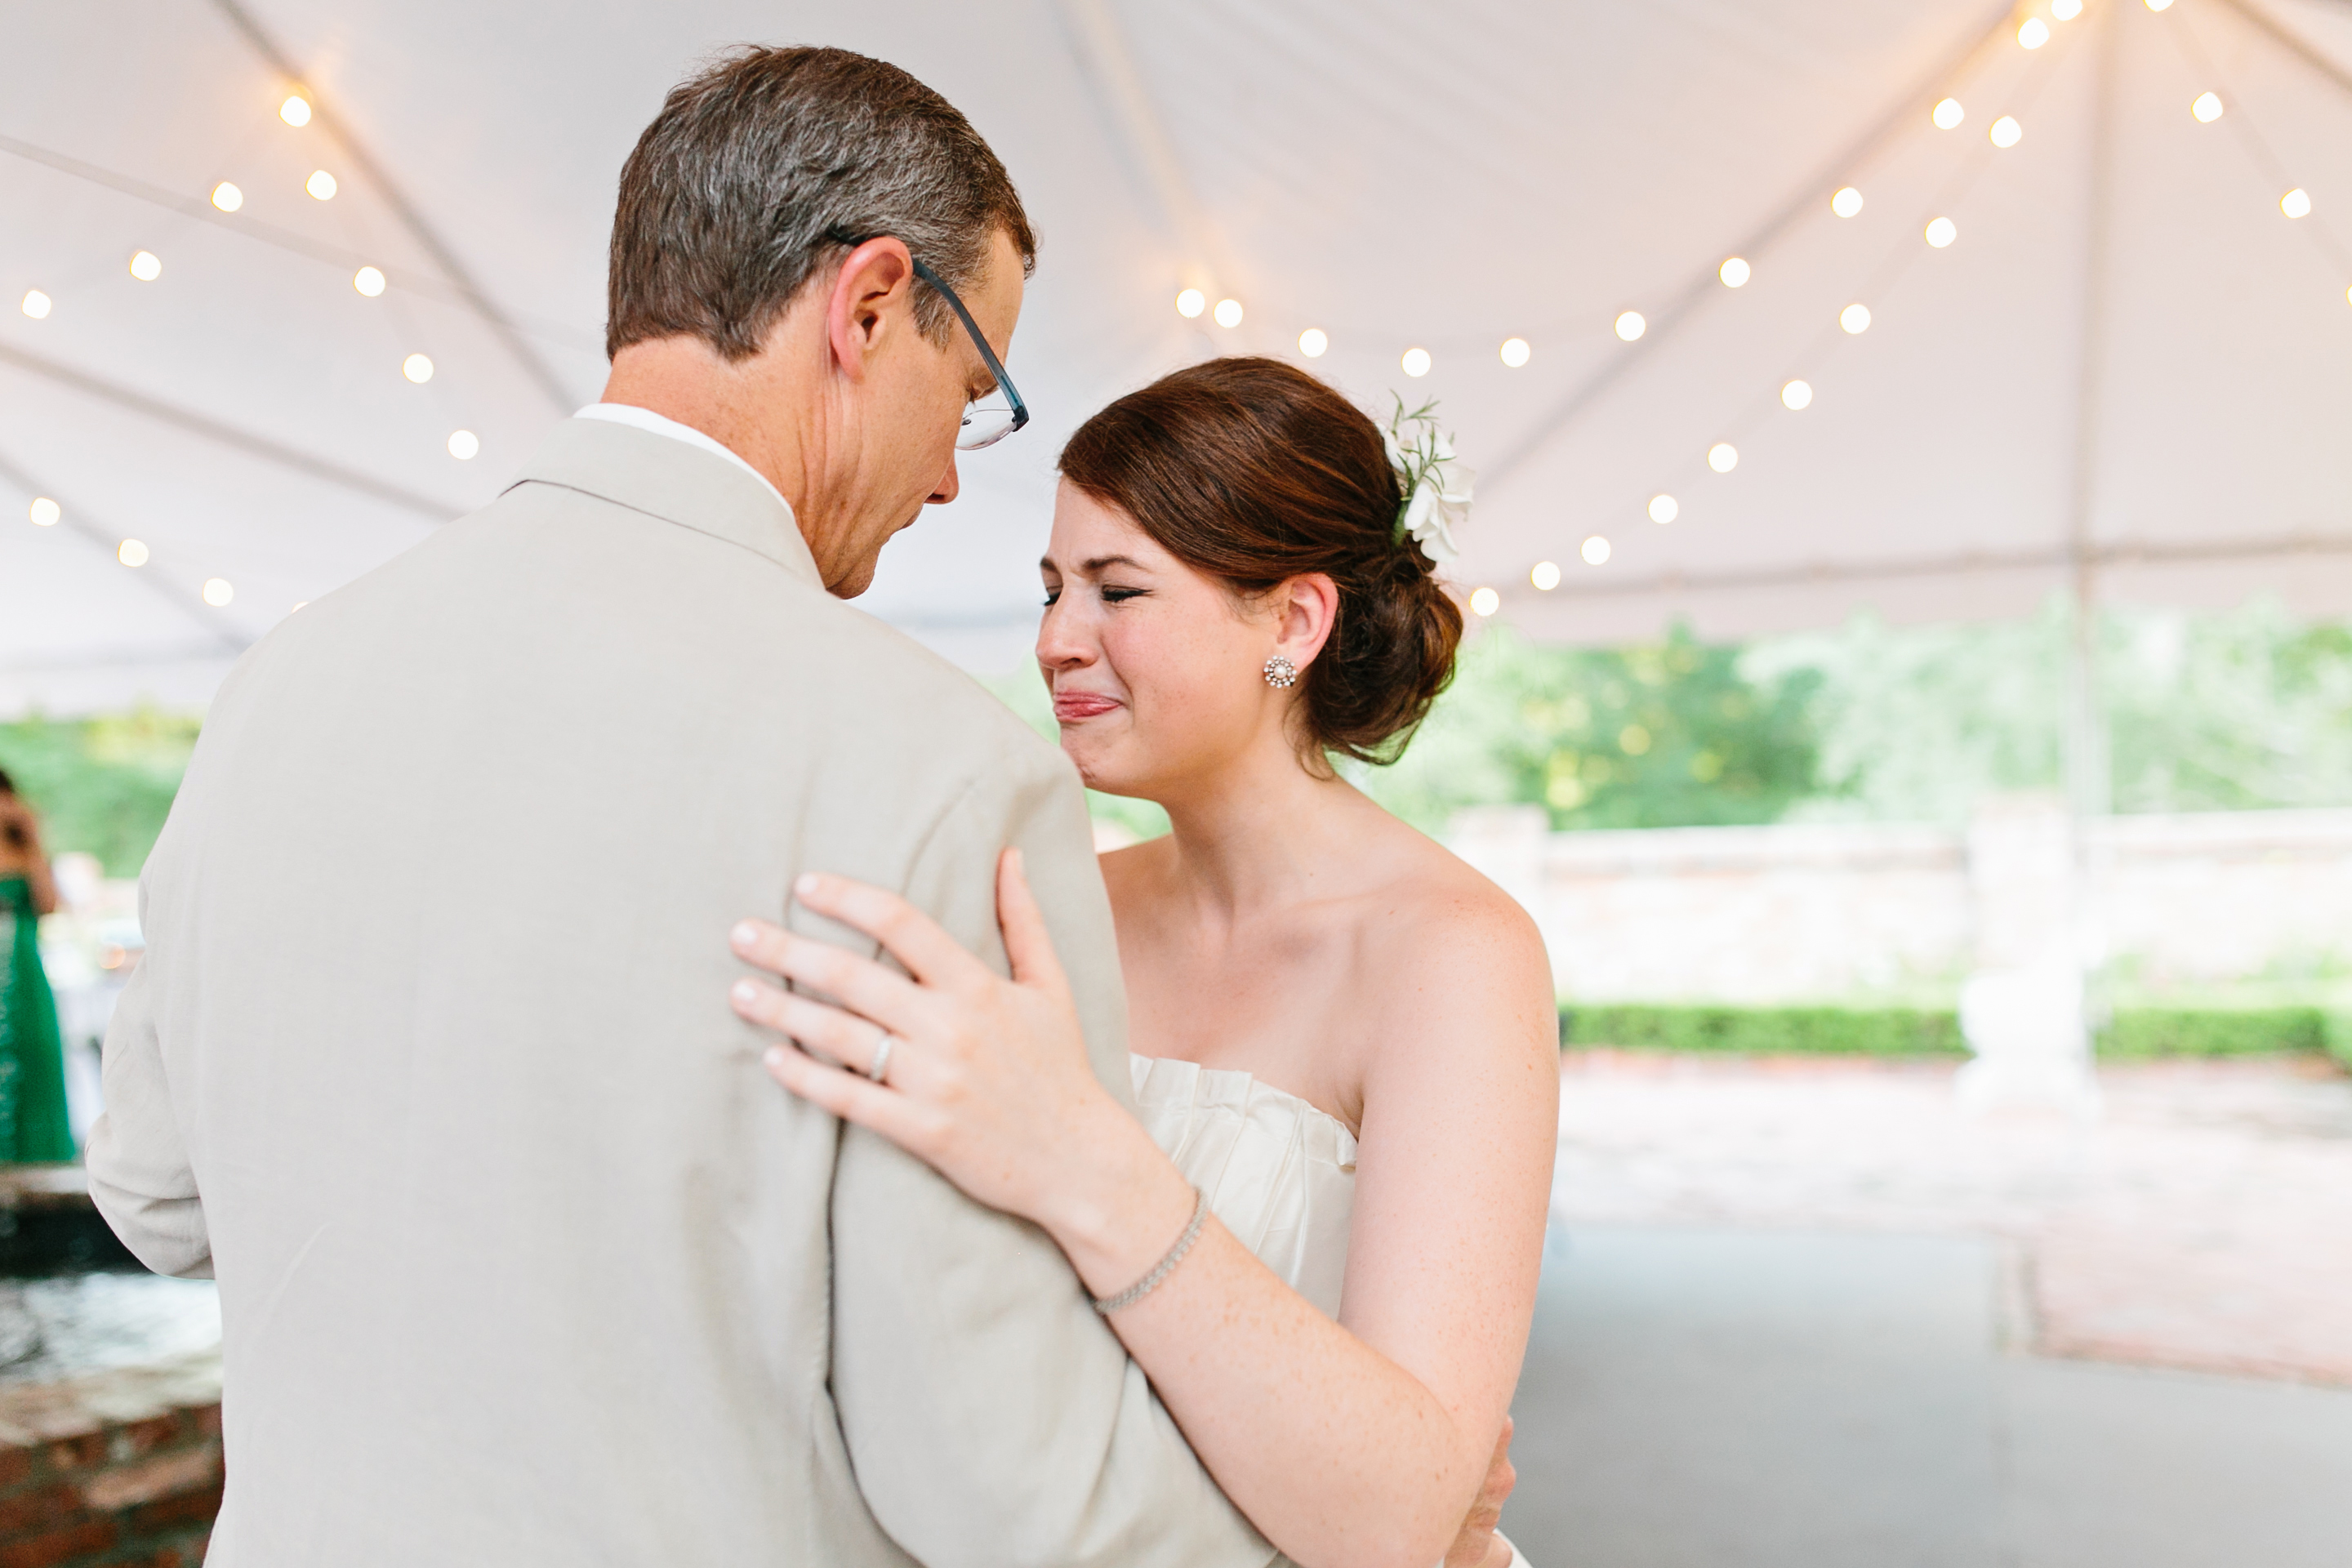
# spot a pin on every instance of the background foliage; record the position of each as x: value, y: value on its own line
x: 102, y: 785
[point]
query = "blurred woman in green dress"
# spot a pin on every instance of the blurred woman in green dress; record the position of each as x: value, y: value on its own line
x: 32, y: 1125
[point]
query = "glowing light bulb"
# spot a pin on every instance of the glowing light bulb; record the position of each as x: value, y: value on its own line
x: 1546, y: 576
x: 2207, y: 108
x: 2006, y: 131
x: 2034, y: 32
x: 2297, y: 203
x: 1942, y: 231
x: 1846, y: 202
x: 218, y: 592
x: 1484, y: 602
x: 321, y: 184
x: 417, y: 368
x: 1948, y: 113
x: 131, y: 552
x: 1855, y: 318
x: 1229, y: 312
x: 1734, y: 272
x: 1191, y: 303
x: 1595, y: 550
x: 1631, y: 326
x: 1415, y: 362
x: 228, y: 197
x: 146, y: 266
x: 368, y: 281
x: 1797, y: 394
x: 1514, y: 352
x: 295, y: 110
x: 36, y: 305
x: 2160, y: 4
x: 46, y: 512
x: 1313, y: 341
x: 1664, y: 510
x: 1722, y: 456
x: 2065, y: 10
x: 465, y: 446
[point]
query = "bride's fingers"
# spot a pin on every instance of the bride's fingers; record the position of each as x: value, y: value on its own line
x: 912, y: 1127
x: 909, y: 935
x: 843, y: 1035
x: 890, y: 999
x: 1027, y: 944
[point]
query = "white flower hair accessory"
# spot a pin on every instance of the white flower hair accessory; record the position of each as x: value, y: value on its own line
x: 1437, y: 483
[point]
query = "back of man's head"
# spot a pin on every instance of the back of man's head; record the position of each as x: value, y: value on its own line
x: 735, y: 193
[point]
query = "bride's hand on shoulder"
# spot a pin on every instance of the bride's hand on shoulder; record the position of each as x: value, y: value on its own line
x: 984, y: 1078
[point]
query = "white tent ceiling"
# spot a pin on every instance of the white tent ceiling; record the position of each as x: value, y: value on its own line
x: 1399, y: 175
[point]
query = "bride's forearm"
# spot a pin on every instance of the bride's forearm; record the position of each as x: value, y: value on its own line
x: 1337, y: 1454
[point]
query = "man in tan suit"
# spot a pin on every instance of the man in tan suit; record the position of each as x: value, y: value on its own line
x: 522, y: 1258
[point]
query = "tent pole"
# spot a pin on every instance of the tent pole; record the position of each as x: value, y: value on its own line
x: 2089, y: 790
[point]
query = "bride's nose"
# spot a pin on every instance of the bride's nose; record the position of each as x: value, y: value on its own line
x: 1061, y: 642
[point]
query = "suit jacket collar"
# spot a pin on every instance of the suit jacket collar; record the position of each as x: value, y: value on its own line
x: 673, y: 481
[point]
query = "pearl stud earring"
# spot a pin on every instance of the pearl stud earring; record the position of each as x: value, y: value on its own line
x: 1280, y: 672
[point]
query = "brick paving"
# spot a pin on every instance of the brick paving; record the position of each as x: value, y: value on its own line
x: 2204, y: 1221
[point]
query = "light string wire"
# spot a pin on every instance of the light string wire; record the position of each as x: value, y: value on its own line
x: 2257, y: 147
x: 1900, y: 258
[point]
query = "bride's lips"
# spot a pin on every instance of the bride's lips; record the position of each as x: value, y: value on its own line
x: 1071, y: 706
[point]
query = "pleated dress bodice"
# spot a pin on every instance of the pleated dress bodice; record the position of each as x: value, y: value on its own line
x: 1278, y: 1173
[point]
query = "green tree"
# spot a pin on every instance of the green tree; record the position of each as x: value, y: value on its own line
x: 1660, y: 734
x: 101, y: 785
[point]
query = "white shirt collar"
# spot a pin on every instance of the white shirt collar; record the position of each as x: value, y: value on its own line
x: 646, y: 419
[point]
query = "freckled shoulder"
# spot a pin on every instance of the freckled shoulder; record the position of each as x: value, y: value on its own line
x: 1444, y: 944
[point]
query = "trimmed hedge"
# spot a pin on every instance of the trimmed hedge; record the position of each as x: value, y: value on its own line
x: 2134, y: 1033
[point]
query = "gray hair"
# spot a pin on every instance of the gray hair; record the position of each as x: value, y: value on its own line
x: 738, y: 190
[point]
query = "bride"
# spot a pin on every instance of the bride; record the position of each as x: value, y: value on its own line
x: 1321, y: 1241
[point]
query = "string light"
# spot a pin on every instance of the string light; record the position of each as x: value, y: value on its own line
x: 1191, y: 303
x: 46, y: 512
x: 1735, y: 273
x: 321, y: 184
x: 218, y: 592
x: 1485, y: 601
x: 37, y: 305
x: 2034, y: 32
x: 1846, y: 202
x: 228, y: 197
x: 146, y: 266
x: 1942, y: 231
x: 1546, y: 576
x: 1722, y: 456
x: 295, y: 112
x: 1229, y: 312
x: 1797, y: 395
x: 1514, y: 352
x: 368, y: 281
x: 2297, y: 203
x: 1664, y: 510
x: 1313, y: 341
x: 1595, y: 550
x: 465, y: 446
x: 2160, y: 4
x: 2065, y: 10
x: 1950, y: 114
x: 2006, y: 131
x: 1631, y: 325
x: 131, y: 552
x: 2207, y: 108
x: 1415, y: 362
x: 1855, y: 318
x: 417, y: 368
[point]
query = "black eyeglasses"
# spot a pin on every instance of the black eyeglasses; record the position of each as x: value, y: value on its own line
x: 995, y: 414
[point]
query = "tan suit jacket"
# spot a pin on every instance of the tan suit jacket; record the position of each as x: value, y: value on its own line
x: 522, y: 1258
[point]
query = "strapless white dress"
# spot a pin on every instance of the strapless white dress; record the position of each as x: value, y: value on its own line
x: 1279, y: 1174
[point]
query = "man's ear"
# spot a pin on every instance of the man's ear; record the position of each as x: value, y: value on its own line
x: 874, y: 288
x: 1306, y: 609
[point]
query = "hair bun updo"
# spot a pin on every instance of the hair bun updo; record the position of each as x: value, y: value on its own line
x: 1252, y: 471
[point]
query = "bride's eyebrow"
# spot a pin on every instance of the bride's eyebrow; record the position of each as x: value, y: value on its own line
x: 1094, y: 568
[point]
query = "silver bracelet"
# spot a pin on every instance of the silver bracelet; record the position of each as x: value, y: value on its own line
x: 1136, y: 1292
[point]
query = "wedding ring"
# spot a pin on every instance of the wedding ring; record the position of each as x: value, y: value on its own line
x: 880, y: 1066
